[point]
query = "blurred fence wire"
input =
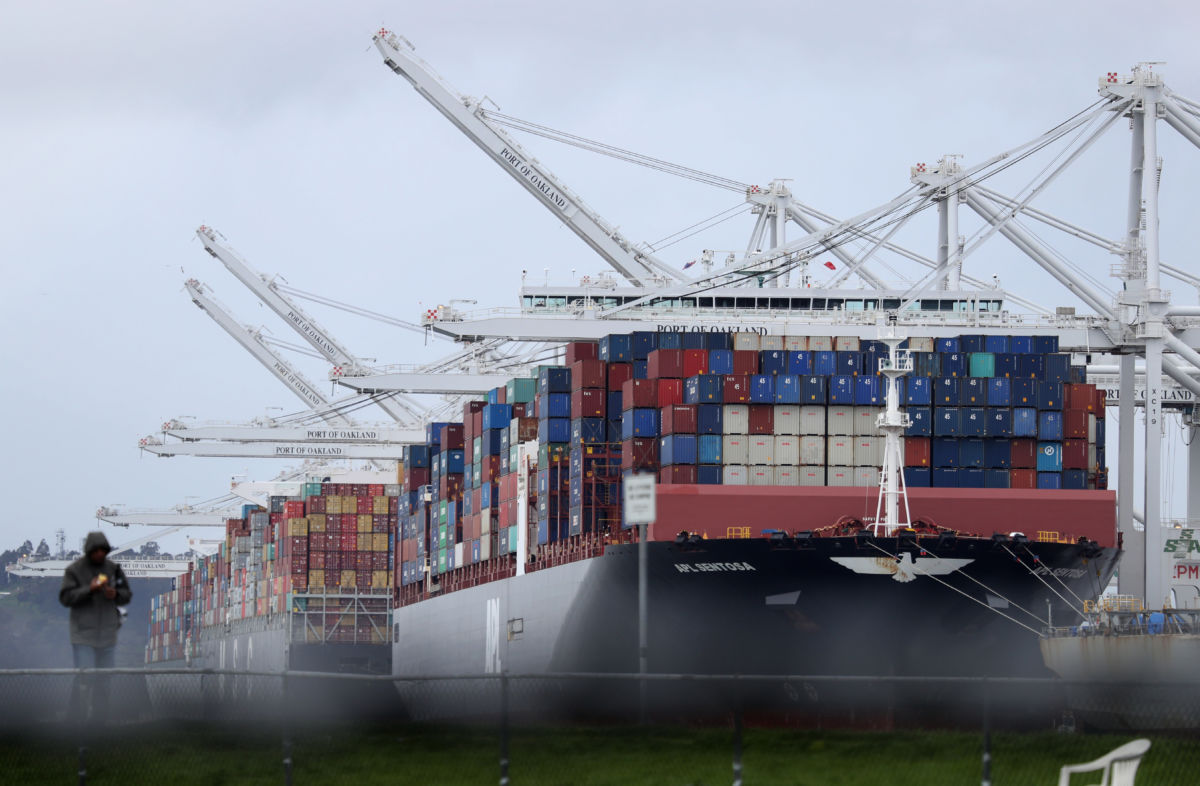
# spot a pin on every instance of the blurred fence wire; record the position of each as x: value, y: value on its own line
x: 140, y: 725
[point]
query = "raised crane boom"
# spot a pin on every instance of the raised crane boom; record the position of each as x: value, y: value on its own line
x: 638, y: 266
x: 367, y: 435
x: 276, y: 450
x: 252, y: 343
x: 296, y: 318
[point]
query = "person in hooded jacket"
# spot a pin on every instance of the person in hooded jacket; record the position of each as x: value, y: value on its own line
x: 93, y: 586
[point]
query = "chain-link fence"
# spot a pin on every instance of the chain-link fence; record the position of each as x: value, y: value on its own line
x: 181, y: 726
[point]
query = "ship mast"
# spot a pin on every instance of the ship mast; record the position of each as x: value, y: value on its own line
x: 893, y: 423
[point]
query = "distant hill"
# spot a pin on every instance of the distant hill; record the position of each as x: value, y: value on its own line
x: 33, y: 625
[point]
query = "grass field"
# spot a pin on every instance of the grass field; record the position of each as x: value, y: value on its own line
x: 627, y: 756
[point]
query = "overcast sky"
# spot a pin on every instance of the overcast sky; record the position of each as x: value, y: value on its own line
x: 128, y: 124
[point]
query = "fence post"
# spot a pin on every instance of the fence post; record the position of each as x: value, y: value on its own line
x: 737, y: 740
x: 287, y: 737
x: 987, y: 735
x: 504, y: 729
x: 82, y: 765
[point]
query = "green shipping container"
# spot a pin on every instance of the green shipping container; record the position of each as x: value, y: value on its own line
x: 520, y: 391
x: 983, y: 364
x: 441, y: 561
x: 443, y: 516
x: 512, y: 539
x: 552, y: 452
x: 512, y: 456
x: 443, y: 536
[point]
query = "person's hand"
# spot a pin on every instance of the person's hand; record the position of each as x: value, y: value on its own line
x: 109, y: 592
x: 96, y: 584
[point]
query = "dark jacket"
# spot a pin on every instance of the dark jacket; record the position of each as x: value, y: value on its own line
x: 94, y: 618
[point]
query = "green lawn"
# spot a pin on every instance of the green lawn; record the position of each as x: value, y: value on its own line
x: 628, y: 756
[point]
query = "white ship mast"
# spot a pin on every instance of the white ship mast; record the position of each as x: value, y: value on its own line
x: 892, y: 422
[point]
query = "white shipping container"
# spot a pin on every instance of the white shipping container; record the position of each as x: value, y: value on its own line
x: 846, y: 343
x: 840, y: 420
x: 485, y: 526
x: 458, y: 554
x: 865, y: 419
x: 795, y: 343
x: 839, y: 476
x: 920, y: 343
x: 736, y: 419
x: 769, y: 343
x: 787, y: 476
x: 787, y: 419
x: 812, y: 420
x: 866, y: 476
x: 839, y: 451
x: 812, y: 476
x: 762, y: 450
x: 735, y: 449
x: 812, y: 451
x: 1091, y: 428
x: 733, y: 475
x: 760, y: 476
x: 485, y: 545
x: 747, y: 341
x: 787, y: 450
x: 1093, y: 466
x: 820, y: 343
x: 868, y: 451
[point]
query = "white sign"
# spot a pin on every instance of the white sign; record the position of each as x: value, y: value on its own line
x: 640, y: 503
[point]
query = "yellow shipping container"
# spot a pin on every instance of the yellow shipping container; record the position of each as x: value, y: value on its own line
x: 379, y: 579
x: 316, y: 522
x: 379, y: 505
x: 316, y: 578
x: 364, y: 541
x: 333, y: 505
x: 364, y: 522
x: 349, y: 578
x: 379, y: 541
x: 297, y: 527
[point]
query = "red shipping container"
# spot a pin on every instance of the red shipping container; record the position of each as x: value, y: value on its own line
x: 639, y: 393
x: 745, y: 361
x: 762, y: 419
x: 376, y: 489
x: 665, y: 364
x: 491, y: 468
x: 1075, y: 454
x: 293, y: 510
x: 379, y: 523
x: 678, y: 419
x: 469, y: 451
x: 476, y: 495
x: 527, y: 429
x: 1075, y: 424
x: 513, y: 511
x: 316, y: 504
x: 670, y: 391
x: 363, y: 505
x: 1024, y: 456
x: 639, y: 454
x: 588, y: 374
x: 477, y: 423
x: 317, y: 560
x: 501, y: 395
x: 1080, y: 397
x: 618, y: 373
x: 1099, y: 399
x: 582, y: 350
x: 737, y: 389
x: 916, y: 452
x: 588, y: 403
x: 678, y: 474
x: 1022, y: 479
x: 695, y: 361
x: 451, y: 439
x: 349, y: 541
x: 393, y: 507
x: 379, y: 560
x: 316, y: 541
x: 523, y: 409
x: 472, y: 407
x: 415, y: 477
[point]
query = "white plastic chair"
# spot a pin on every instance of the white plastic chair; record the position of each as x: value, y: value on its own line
x: 1119, y: 766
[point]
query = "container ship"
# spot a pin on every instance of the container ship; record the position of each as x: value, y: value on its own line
x: 503, y: 546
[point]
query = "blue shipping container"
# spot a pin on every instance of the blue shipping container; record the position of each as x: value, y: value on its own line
x: 920, y: 422
x: 554, y: 380
x: 917, y: 477
x: 918, y: 391
x: 709, y: 419
x: 970, y: 453
x: 1045, y: 345
x: 1049, y: 395
x: 787, y: 389
x: 1020, y: 345
x: 945, y: 392
x: 709, y: 474
x: 616, y: 348
x: 945, y: 345
x: 718, y: 341
x: 954, y: 364
x: 868, y: 392
x: 549, y: 430
x: 945, y: 478
x: 995, y: 344
x: 500, y: 415
x: 970, y: 478
x: 972, y: 391
x: 670, y: 340
x: 677, y: 449
x: 703, y: 389
x: 1024, y: 392
x: 1025, y: 422
x: 708, y: 450
x: 1006, y: 364
x: 1049, y: 480
x: 999, y: 392
x: 798, y: 362
x: 969, y: 344
x: 643, y: 343
x: 999, y: 423
x: 639, y: 423
x: 945, y: 452
x: 947, y: 422
x: 850, y: 363
x: 762, y: 388
x: 1057, y: 368
x: 995, y: 478
x: 588, y: 431
x: 1050, y: 425
x: 720, y: 361
x: 1074, y: 479
x: 824, y: 363
x: 997, y: 454
x: 1030, y: 366
x: 841, y: 390
x: 773, y: 361
x: 1049, y: 457
x: 972, y: 421
x: 692, y: 340
x: 812, y: 390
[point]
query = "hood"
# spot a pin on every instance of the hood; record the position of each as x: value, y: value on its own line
x: 96, y: 540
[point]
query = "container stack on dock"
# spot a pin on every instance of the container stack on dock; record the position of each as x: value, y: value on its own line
x: 312, y: 554
x: 1003, y: 412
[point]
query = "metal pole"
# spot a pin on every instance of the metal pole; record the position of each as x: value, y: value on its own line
x: 1131, y: 578
x: 504, y: 729
x: 1193, y: 475
x: 82, y: 766
x: 953, y: 258
x: 1153, y: 329
x: 643, y: 606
